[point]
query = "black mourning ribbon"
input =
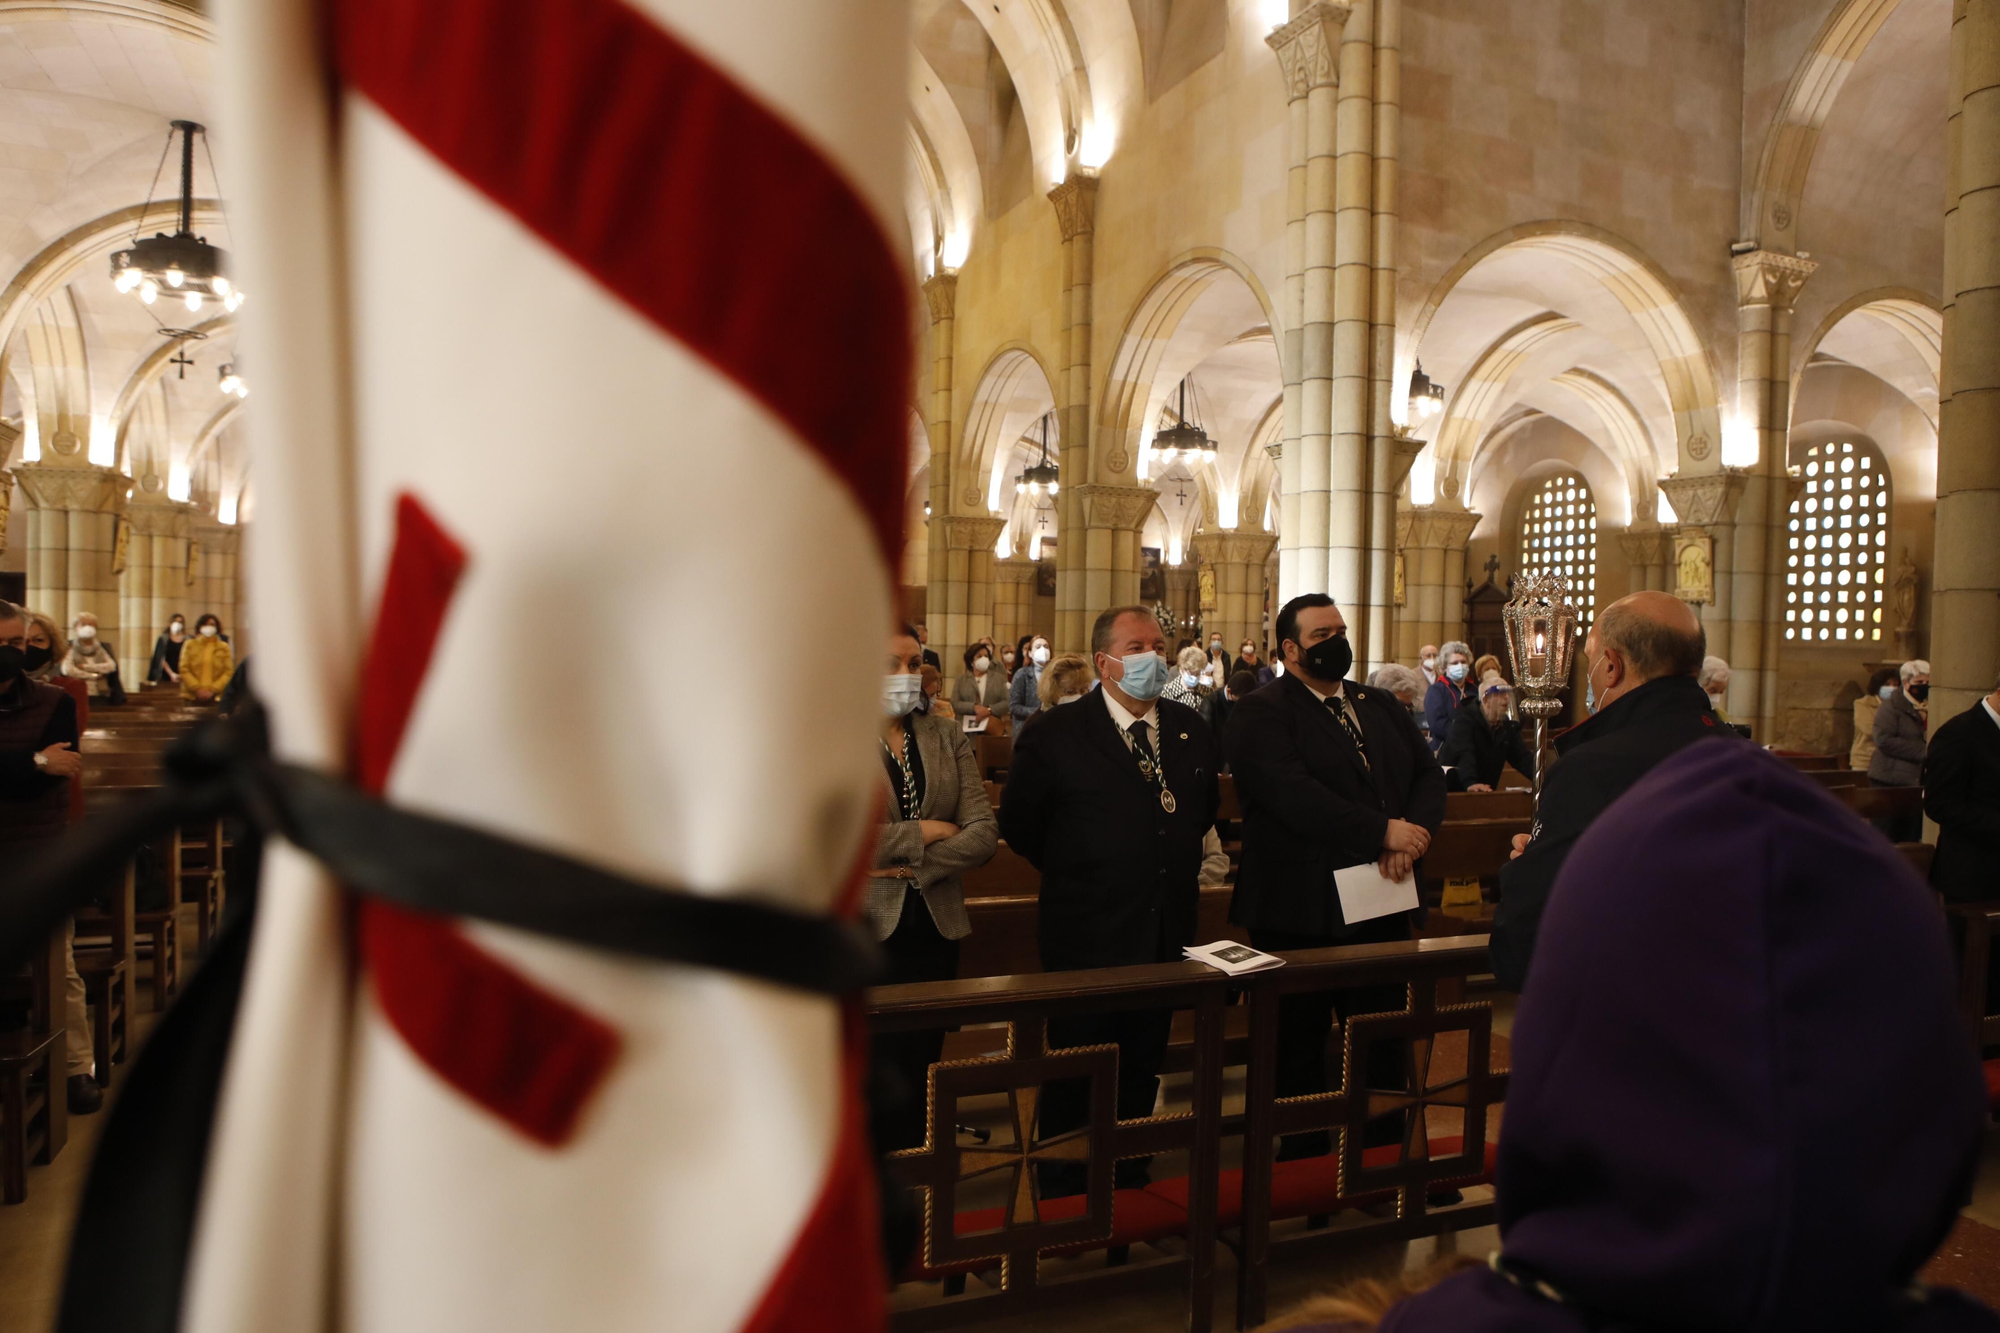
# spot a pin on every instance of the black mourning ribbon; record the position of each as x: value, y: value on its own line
x: 432, y: 865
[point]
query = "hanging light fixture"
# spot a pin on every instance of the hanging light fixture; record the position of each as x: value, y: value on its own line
x: 1043, y: 477
x: 1185, y: 440
x: 182, y: 266
x: 232, y: 383
x: 1426, y: 395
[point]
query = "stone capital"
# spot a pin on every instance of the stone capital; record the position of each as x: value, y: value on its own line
x: 1403, y: 451
x: 1076, y: 204
x: 1116, y: 507
x: 151, y: 516
x: 1648, y: 546
x: 1432, y: 528
x: 1234, y: 548
x: 1705, y: 501
x: 1309, y: 48
x: 1766, y: 277
x: 941, y: 292
x: 87, y: 489
x: 1014, y: 571
x: 972, y: 532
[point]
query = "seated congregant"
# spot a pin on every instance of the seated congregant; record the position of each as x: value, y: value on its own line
x: 1641, y: 659
x: 93, y: 661
x: 1484, y: 740
x: 1685, y: 1146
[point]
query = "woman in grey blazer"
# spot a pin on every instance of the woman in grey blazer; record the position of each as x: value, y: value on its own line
x: 936, y: 825
x: 980, y: 693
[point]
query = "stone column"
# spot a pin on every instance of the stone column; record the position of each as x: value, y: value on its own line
x: 1105, y: 544
x: 72, y: 530
x: 1386, y: 446
x: 213, y: 556
x: 941, y: 296
x: 1013, y: 599
x: 1239, y: 560
x: 1965, y: 598
x: 1433, y: 546
x: 1075, y: 202
x: 1309, y: 50
x: 1351, y: 479
x: 960, y: 600
x: 1707, y: 506
x: 1767, y: 289
x: 1183, y: 600
x: 155, y: 583
x: 1650, y: 552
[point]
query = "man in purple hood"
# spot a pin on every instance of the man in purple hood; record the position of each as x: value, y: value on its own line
x: 1741, y: 1096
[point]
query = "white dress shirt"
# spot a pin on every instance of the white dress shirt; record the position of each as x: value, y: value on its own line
x: 1123, y: 718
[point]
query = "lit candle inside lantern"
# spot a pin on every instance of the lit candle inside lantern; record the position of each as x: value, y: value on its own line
x: 1538, y: 658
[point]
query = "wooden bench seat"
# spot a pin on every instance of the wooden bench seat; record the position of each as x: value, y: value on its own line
x: 33, y: 1113
x: 104, y: 987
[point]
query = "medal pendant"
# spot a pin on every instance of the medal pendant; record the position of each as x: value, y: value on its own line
x: 1166, y: 800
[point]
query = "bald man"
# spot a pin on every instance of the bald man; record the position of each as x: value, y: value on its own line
x: 1644, y: 656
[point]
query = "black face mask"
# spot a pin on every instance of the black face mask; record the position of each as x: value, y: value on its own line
x: 12, y: 662
x: 1920, y: 692
x: 36, y: 658
x: 1329, y: 659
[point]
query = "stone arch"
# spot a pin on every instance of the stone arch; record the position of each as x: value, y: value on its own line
x: 1158, y: 346
x: 1681, y: 368
x: 149, y: 372
x: 1910, y: 356
x: 170, y: 19
x: 1772, y: 204
x: 1014, y: 390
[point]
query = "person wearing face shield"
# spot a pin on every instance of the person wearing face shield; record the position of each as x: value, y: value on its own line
x: 1330, y: 774
x: 1110, y: 798
x: 936, y: 825
x: 1449, y: 692
x: 1024, y: 697
x: 1642, y: 659
x: 1902, y: 741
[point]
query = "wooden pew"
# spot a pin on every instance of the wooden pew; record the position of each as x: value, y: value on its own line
x: 995, y: 754
x: 34, y: 1072
x: 1881, y: 802
x: 1007, y: 875
x: 1461, y: 806
x: 1833, y: 779
x: 1810, y: 763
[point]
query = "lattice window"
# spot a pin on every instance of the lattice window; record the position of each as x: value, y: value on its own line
x: 1559, y: 536
x: 1839, y: 546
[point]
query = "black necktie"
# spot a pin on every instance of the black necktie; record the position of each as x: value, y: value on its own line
x: 1143, y: 748
x: 1347, y: 724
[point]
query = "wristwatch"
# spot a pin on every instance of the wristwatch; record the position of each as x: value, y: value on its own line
x: 41, y: 760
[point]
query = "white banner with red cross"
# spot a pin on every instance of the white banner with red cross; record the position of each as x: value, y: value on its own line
x: 582, y: 356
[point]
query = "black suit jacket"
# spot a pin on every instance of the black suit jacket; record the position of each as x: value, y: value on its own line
x: 1120, y: 875
x: 1476, y: 751
x: 1962, y: 793
x: 1311, y: 807
x: 1600, y: 760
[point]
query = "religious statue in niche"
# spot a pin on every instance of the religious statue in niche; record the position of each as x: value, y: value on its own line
x: 1206, y: 582
x: 1045, y: 577
x: 1399, y: 578
x: 1152, y: 575
x: 1903, y: 602
x: 1694, y: 568
x: 121, y: 545
x: 194, y: 563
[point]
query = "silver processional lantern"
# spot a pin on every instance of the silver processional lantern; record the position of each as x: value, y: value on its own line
x: 1541, y: 643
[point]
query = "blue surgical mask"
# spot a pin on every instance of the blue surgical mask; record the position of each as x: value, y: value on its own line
x: 900, y: 694
x: 1457, y: 671
x: 1887, y: 692
x: 1145, y: 676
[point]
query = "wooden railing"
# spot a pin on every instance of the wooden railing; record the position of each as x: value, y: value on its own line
x: 1358, y: 1196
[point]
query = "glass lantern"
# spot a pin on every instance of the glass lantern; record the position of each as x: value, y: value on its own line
x: 1541, y: 644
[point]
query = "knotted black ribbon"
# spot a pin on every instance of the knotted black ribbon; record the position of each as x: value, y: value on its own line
x: 224, y: 768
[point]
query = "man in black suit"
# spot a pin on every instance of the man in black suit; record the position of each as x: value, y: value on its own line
x: 1330, y: 775
x: 924, y: 644
x: 1962, y: 793
x: 1642, y: 659
x: 1109, y: 798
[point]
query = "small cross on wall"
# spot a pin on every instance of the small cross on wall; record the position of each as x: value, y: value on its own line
x: 183, y: 360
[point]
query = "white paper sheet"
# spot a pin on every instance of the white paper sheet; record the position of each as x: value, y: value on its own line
x: 1365, y: 894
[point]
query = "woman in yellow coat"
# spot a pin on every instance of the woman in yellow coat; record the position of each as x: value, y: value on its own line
x: 206, y: 662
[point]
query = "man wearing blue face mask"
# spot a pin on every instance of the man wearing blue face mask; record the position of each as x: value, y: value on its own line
x: 1110, y: 799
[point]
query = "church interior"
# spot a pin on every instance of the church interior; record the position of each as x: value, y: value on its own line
x: 1213, y: 304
